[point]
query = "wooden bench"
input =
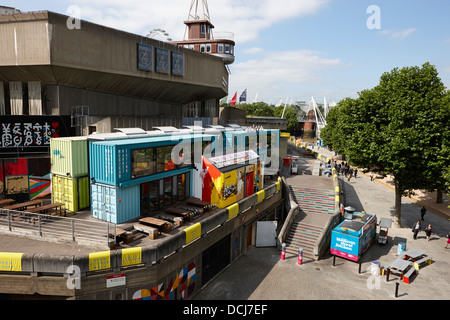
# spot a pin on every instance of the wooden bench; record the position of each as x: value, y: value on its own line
x: 186, y: 214
x: 24, y: 205
x: 161, y: 225
x: 51, y: 209
x: 418, y: 263
x: 177, y: 221
x: 408, y: 274
x: 6, y: 202
x: 152, y: 232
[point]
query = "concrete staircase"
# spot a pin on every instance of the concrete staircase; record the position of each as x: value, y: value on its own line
x: 317, y: 207
x: 302, y: 235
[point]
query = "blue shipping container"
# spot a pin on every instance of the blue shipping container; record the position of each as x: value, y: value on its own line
x: 115, y: 205
x: 110, y: 161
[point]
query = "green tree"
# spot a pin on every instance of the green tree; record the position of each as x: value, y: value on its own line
x: 399, y: 127
x: 290, y: 114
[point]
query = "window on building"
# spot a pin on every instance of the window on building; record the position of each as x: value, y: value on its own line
x: 164, y: 159
x: 202, y: 48
x: 142, y: 162
x: 181, y: 186
x: 150, y: 200
x: 220, y: 47
x: 202, y: 28
x: 227, y: 48
x: 208, y: 48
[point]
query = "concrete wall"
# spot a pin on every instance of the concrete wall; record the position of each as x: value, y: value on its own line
x: 161, y: 262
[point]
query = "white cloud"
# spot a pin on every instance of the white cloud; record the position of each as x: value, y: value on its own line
x: 398, y: 34
x: 244, y: 18
x: 276, y: 72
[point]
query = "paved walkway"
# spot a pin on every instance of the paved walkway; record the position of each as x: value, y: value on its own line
x: 261, y: 275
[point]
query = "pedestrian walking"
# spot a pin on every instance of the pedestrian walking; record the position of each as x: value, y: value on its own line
x: 428, y: 231
x: 416, y: 229
x: 356, y: 172
x: 349, y: 175
x: 448, y: 240
x: 422, y: 212
x: 371, y: 177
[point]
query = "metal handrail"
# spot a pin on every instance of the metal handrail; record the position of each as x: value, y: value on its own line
x: 45, y: 225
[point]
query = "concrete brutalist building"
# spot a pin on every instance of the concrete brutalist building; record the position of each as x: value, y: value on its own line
x: 103, y: 78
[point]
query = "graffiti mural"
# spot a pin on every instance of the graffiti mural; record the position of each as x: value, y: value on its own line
x: 180, y: 287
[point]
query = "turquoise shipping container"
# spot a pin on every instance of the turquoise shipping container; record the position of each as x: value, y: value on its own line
x: 110, y: 161
x: 113, y: 204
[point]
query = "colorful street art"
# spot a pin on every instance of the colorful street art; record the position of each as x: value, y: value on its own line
x: 40, y: 187
x: 180, y: 287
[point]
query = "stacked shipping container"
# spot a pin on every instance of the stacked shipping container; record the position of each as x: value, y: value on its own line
x: 70, y: 172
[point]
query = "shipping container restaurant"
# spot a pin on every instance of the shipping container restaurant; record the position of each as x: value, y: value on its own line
x: 131, y: 177
x: 229, y: 178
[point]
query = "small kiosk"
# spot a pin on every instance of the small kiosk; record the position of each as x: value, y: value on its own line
x: 230, y: 178
x: 353, y: 237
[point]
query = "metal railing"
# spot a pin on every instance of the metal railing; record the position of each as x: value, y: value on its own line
x: 48, y: 226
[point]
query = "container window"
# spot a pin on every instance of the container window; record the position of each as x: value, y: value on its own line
x: 164, y: 159
x: 181, y: 186
x: 150, y: 200
x: 168, y: 191
x: 220, y: 47
x: 142, y: 162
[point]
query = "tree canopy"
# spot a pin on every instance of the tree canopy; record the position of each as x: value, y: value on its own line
x: 398, y: 127
x: 262, y: 109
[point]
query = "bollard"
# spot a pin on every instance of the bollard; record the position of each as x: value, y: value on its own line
x: 396, y: 289
x: 300, y: 256
x: 359, y: 268
x: 283, y: 251
x: 334, y: 260
x: 387, y: 274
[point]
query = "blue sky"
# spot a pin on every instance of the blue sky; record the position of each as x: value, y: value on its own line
x: 295, y: 49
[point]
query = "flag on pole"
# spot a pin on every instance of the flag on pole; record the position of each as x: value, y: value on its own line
x: 223, y: 101
x: 243, y: 96
x: 233, y: 101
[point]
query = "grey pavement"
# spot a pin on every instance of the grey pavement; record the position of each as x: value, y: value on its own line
x: 262, y: 275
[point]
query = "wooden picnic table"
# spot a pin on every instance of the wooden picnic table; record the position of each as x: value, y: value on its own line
x: 157, y: 223
x: 186, y: 214
x: 197, y: 202
x: 6, y: 202
x: 57, y: 207
x: 24, y: 205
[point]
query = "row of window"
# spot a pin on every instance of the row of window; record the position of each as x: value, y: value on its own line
x: 149, y: 161
x: 207, y: 48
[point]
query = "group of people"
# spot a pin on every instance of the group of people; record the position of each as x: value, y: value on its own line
x: 417, y: 227
x: 344, y: 169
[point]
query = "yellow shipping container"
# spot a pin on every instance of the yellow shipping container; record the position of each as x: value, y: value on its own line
x: 69, y: 156
x: 73, y: 192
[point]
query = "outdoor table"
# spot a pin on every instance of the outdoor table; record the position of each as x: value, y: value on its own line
x: 157, y: 223
x: 24, y: 205
x: 44, y: 209
x: 400, y: 266
x: 413, y: 254
x: 6, y: 202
